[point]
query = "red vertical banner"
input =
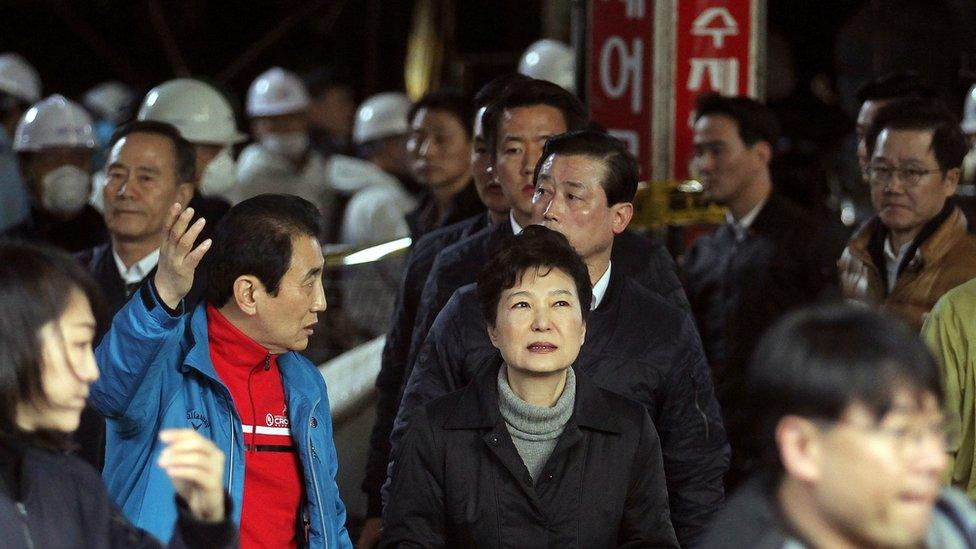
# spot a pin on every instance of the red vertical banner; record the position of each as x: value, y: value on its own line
x: 620, y: 70
x: 716, y: 50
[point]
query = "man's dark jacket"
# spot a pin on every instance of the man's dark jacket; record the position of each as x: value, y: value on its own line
x: 637, y: 345
x: 460, y: 481
x: 423, y: 219
x: 646, y: 261
x: 389, y: 382
x: 84, y: 230
x: 739, y: 289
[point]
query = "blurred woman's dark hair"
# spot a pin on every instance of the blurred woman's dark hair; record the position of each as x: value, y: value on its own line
x: 35, y: 284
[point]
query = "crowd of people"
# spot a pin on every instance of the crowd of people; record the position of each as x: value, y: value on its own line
x: 550, y: 376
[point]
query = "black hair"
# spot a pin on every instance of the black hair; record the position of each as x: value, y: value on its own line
x: 620, y: 180
x: 535, y: 247
x: 493, y: 89
x: 817, y: 362
x: 449, y: 101
x: 755, y: 121
x: 529, y: 93
x: 894, y: 86
x: 948, y: 141
x: 255, y: 238
x: 322, y: 79
x: 186, y: 156
x: 35, y: 284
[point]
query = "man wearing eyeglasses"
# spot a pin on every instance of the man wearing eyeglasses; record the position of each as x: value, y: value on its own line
x: 915, y: 248
x: 847, y: 408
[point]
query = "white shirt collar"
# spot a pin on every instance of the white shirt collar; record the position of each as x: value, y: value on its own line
x: 600, y: 288
x: 893, y: 260
x: 516, y: 228
x: 742, y: 226
x: 139, y: 269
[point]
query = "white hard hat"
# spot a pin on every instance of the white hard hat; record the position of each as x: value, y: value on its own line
x: 381, y: 115
x: 196, y: 109
x: 550, y: 60
x: 969, y: 112
x: 275, y: 92
x: 109, y: 100
x: 54, y: 122
x: 19, y: 79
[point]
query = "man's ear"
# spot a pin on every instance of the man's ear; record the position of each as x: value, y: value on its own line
x: 764, y: 150
x: 184, y: 193
x: 800, y: 444
x: 952, y: 181
x: 621, y: 214
x: 247, y: 290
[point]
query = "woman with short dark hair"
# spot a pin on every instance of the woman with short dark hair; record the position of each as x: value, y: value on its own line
x: 47, y: 497
x: 531, y: 454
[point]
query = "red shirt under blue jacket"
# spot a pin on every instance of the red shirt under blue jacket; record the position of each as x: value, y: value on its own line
x: 272, y: 471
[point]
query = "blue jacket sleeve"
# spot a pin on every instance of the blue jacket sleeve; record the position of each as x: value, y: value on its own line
x: 127, y: 352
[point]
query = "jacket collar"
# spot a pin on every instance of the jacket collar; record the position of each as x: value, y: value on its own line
x: 294, y: 378
x: 477, y: 405
x: 932, y: 243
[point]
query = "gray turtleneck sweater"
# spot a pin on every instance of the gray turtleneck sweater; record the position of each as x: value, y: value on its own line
x: 535, y: 429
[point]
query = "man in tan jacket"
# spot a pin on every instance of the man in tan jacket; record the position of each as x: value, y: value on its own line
x: 915, y: 248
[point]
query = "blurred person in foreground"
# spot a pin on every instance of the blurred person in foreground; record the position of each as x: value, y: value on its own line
x: 47, y: 497
x: 916, y: 247
x: 566, y: 463
x: 230, y: 369
x: 847, y: 407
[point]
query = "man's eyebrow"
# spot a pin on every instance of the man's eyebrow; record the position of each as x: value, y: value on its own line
x: 149, y: 169
x: 313, y: 272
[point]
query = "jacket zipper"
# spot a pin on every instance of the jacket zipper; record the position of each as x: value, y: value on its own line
x: 23, y: 515
x: 315, y: 482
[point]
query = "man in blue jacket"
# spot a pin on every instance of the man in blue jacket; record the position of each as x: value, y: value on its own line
x: 230, y: 370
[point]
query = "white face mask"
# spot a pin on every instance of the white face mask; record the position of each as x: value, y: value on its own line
x: 65, y: 190
x: 218, y: 176
x: 289, y: 145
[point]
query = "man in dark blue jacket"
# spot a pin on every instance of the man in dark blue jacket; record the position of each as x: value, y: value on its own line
x: 637, y: 343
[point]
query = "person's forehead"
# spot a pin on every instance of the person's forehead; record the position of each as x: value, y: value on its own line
x: 574, y: 169
x: 539, y: 117
x: 904, y: 144
x: 716, y: 127
x: 78, y: 313
x: 435, y: 119
x: 905, y: 403
x: 542, y: 279
x: 143, y: 147
x: 306, y: 254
